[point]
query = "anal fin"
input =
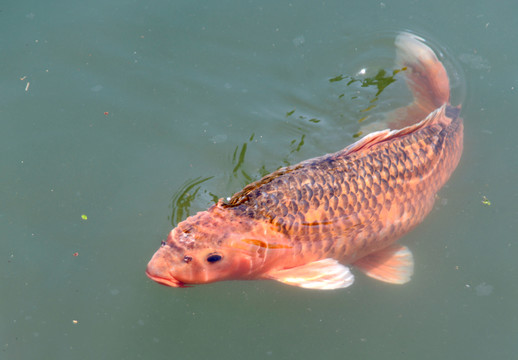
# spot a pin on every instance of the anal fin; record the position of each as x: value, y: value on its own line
x: 323, y: 274
x: 394, y: 264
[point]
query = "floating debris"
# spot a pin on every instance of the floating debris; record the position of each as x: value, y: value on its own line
x: 381, y: 80
x: 337, y: 78
x: 299, y: 41
x: 486, y: 201
x: 358, y: 134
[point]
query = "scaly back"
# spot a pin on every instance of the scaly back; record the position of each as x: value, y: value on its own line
x: 375, y: 189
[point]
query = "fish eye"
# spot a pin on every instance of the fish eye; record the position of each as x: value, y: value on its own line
x: 212, y: 258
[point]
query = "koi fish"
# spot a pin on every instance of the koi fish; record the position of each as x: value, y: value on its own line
x: 307, y: 224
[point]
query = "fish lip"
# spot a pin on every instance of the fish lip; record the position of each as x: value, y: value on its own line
x: 170, y: 281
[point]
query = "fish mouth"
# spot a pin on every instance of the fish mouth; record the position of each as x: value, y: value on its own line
x: 170, y: 281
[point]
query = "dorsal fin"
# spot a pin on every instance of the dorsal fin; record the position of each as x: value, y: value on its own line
x: 386, y: 135
x: 363, y: 144
x: 427, y: 79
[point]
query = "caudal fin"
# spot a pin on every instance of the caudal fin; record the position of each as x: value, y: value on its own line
x: 426, y: 78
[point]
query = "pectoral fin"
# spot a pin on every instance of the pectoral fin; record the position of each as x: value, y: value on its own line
x: 394, y: 264
x: 323, y: 274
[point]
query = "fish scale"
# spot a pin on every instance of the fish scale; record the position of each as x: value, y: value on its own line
x: 398, y: 174
x: 304, y: 225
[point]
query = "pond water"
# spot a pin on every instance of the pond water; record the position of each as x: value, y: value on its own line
x: 120, y: 118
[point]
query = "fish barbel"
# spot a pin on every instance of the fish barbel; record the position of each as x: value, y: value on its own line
x: 306, y: 224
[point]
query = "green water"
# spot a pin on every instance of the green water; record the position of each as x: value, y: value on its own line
x: 113, y: 109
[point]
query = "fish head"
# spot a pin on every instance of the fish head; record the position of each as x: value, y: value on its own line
x: 199, y: 250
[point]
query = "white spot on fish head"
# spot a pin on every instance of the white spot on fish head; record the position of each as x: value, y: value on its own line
x: 186, y: 239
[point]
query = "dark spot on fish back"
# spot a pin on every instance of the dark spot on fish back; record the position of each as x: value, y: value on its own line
x: 361, y: 183
x: 354, y: 186
x: 452, y: 112
x: 345, y: 187
x: 293, y: 207
x: 333, y: 202
x: 309, y: 192
x: 368, y: 180
x: 304, y: 205
x: 352, y: 198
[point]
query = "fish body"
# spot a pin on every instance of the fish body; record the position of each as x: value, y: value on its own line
x: 305, y: 224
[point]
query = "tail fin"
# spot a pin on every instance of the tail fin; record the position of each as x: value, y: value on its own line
x: 426, y: 78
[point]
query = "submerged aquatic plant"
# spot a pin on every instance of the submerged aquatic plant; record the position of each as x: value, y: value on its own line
x: 184, y: 196
x: 192, y: 189
x: 380, y: 81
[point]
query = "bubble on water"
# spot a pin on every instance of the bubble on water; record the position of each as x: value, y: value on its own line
x: 114, y: 291
x: 476, y: 62
x: 299, y: 40
x: 216, y: 139
x: 483, y: 289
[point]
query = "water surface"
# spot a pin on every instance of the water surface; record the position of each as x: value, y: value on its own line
x: 110, y: 110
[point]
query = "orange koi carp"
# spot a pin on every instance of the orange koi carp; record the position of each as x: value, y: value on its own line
x: 306, y: 225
